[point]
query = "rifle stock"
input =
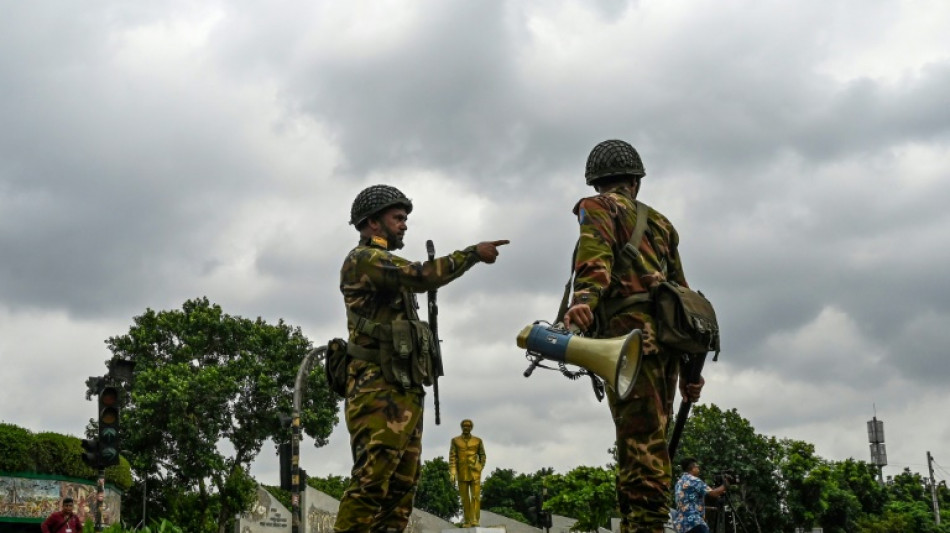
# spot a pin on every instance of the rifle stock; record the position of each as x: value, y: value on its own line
x: 693, y: 375
x: 433, y: 308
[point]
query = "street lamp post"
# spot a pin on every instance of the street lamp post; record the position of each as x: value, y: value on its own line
x: 300, y: 387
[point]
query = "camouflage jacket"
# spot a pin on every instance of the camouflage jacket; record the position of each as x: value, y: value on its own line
x: 374, y: 282
x: 606, y: 224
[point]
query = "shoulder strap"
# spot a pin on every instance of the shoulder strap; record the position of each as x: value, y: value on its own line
x: 567, y: 287
x: 63, y: 524
x: 630, y: 253
x: 410, y: 304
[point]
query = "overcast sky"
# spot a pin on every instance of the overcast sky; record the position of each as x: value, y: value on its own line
x: 155, y: 152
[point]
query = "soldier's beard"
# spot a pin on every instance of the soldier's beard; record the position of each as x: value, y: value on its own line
x: 394, y: 240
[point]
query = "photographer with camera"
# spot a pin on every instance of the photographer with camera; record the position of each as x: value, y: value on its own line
x: 690, y: 493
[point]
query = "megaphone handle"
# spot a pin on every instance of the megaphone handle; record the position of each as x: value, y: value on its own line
x: 534, y: 364
x: 574, y: 330
x: 598, y: 386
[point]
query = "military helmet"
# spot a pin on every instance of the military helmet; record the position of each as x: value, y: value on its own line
x: 374, y: 199
x: 613, y: 158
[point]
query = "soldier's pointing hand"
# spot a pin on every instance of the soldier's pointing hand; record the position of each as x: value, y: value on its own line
x: 488, y: 250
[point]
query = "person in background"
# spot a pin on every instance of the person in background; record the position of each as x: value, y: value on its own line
x: 690, y: 494
x: 63, y: 521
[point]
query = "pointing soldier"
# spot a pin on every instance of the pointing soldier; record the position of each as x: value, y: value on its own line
x: 611, y: 298
x: 390, y: 358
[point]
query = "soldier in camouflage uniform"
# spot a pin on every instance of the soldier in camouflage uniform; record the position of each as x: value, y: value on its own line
x: 610, y: 299
x: 389, y: 350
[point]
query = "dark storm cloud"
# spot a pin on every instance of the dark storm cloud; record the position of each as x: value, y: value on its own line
x: 113, y: 181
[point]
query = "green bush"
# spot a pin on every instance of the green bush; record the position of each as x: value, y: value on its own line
x: 156, y: 527
x: 53, y: 454
x: 17, y: 446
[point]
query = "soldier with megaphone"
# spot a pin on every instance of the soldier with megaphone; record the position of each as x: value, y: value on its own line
x: 610, y: 298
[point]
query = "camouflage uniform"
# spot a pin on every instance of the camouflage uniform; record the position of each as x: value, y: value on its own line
x: 384, y: 419
x: 606, y: 224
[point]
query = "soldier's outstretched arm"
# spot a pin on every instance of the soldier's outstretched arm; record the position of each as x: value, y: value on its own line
x: 386, y: 270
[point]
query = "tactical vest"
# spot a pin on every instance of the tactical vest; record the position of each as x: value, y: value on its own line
x: 405, y: 346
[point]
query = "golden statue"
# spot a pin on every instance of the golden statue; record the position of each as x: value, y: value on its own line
x: 466, y: 460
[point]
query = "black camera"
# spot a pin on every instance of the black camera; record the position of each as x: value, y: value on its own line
x: 726, y: 476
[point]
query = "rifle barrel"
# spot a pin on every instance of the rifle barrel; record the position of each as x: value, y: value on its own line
x: 693, y: 375
x: 433, y: 318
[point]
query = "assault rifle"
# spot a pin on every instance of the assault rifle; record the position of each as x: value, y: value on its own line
x: 694, y: 371
x: 433, y: 317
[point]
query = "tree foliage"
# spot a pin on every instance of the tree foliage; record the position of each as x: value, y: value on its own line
x: 724, y: 441
x: 587, y: 494
x: 436, y: 494
x: 802, y: 490
x: 805, y: 490
x: 207, y: 390
x: 506, y: 493
x: 52, y: 454
x: 331, y: 485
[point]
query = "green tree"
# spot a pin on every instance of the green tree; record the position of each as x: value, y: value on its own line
x: 841, y: 509
x: 724, y: 441
x: 587, y: 494
x: 331, y: 485
x: 911, y: 504
x: 205, y: 396
x: 943, y: 499
x: 908, y: 487
x: 803, y: 491
x: 860, y: 478
x: 506, y: 493
x: 435, y: 493
x: 902, y: 516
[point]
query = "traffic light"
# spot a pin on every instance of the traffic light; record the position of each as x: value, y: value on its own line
x: 108, y: 426
x: 547, y: 520
x: 534, y: 510
x: 90, y: 455
x: 285, y: 451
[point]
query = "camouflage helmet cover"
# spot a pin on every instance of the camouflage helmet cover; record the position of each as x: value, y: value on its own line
x: 374, y: 199
x: 613, y: 158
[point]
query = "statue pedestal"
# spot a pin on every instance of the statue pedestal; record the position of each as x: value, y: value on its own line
x: 478, y: 529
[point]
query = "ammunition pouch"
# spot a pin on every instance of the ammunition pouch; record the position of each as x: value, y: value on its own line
x: 405, y: 352
x: 411, y: 359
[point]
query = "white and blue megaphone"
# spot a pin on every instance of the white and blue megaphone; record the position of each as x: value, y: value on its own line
x: 616, y: 360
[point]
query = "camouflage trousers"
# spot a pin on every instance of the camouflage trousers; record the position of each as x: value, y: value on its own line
x: 386, y: 440
x: 644, y: 473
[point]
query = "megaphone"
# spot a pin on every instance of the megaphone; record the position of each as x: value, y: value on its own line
x: 616, y: 360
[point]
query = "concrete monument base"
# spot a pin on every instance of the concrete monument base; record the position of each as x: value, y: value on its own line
x: 477, y: 529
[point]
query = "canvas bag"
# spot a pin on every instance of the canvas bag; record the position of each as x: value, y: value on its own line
x: 335, y: 363
x: 685, y: 319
